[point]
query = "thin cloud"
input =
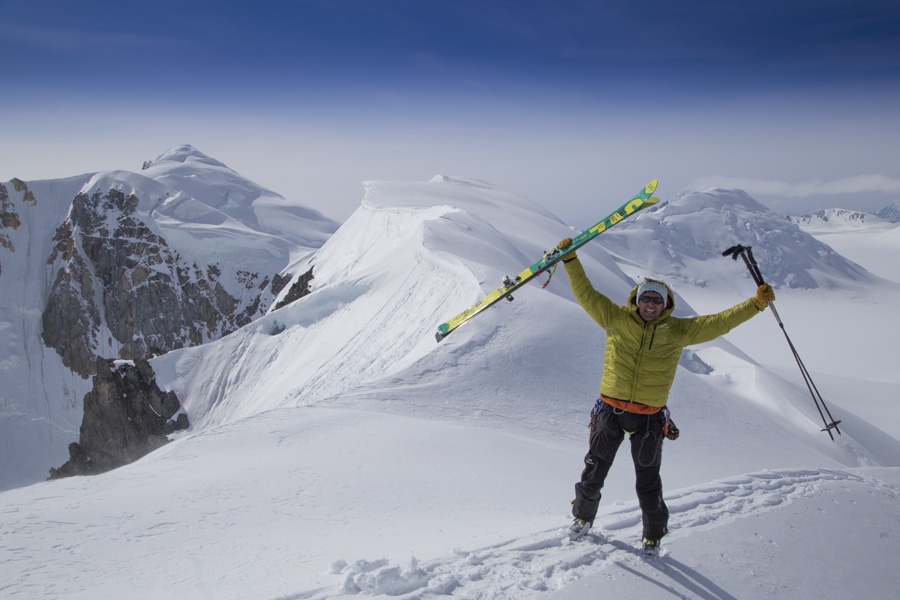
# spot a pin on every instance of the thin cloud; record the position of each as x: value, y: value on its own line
x: 856, y: 184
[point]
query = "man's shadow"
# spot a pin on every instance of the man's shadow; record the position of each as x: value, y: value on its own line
x: 676, y: 571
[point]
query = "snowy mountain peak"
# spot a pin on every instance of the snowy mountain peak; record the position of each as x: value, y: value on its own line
x: 685, y: 236
x: 891, y: 213
x: 714, y: 199
x: 473, y: 196
x: 184, y: 154
x: 204, y: 192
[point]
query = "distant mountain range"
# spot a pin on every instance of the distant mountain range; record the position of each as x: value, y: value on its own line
x: 833, y: 218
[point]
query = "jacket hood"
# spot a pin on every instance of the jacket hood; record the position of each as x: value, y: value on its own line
x: 670, y: 302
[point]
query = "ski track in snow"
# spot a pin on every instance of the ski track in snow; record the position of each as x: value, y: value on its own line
x: 537, y: 565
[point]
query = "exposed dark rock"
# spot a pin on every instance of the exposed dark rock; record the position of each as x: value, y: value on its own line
x: 9, y: 218
x: 118, y: 287
x: 278, y: 283
x: 298, y: 290
x: 126, y: 416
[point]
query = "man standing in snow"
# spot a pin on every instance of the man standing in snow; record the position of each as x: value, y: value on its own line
x: 643, y: 346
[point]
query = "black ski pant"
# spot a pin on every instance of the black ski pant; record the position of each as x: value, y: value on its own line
x: 608, y: 429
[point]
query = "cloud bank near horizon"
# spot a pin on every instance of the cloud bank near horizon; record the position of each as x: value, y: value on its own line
x: 858, y: 184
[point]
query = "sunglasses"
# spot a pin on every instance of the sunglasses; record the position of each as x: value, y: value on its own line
x: 650, y: 299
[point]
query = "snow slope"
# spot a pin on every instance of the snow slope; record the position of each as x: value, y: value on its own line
x: 324, y: 503
x: 40, y: 399
x: 863, y: 238
x: 338, y: 451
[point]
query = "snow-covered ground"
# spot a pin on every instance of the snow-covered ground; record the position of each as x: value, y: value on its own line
x: 875, y: 246
x: 338, y: 451
x: 327, y: 503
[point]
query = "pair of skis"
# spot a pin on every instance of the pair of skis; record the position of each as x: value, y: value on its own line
x: 641, y: 200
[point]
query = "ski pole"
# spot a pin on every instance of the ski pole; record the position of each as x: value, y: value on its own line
x: 747, y: 254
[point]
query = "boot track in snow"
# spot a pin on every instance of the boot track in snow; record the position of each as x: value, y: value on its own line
x: 536, y: 565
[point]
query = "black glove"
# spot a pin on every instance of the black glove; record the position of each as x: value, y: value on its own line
x: 670, y: 430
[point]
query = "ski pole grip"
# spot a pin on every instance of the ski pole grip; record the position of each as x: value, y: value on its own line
x: 747, y: 254
x: 734, y: 251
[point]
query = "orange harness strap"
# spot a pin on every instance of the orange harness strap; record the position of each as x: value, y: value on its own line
x: 631, y: 407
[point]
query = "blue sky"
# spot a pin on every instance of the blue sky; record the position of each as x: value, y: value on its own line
x: 574, y: 104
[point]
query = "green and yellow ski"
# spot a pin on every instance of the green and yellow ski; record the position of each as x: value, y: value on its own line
x: 641, y: 200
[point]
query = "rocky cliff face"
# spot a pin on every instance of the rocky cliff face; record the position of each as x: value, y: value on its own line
x: 126, y: 416
x: 9, y: 217
x: 118, y: 290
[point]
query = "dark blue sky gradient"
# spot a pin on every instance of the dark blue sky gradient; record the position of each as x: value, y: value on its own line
x: 495, y: 66
x: 481, y: 47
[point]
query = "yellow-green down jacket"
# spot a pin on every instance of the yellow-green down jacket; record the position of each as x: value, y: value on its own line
x: 641, y: 358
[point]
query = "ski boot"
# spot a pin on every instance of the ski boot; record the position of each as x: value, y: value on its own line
x: 579, y: 528
x: 650, y: 548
